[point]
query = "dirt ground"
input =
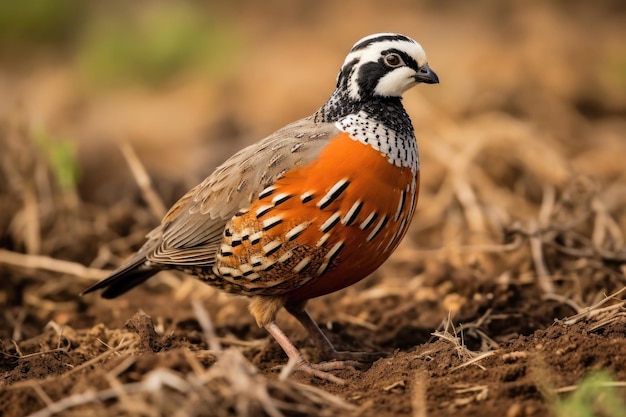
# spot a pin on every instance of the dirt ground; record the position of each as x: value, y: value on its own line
x: 504, y: 298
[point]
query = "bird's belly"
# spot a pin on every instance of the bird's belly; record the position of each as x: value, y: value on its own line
x: 319, y: 228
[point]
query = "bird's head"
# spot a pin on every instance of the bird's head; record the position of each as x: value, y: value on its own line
x: 384, y: 65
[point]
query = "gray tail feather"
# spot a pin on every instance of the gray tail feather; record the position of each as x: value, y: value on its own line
x: 126, y: 277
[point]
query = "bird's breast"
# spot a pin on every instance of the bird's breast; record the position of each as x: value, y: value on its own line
x: 321, y: 227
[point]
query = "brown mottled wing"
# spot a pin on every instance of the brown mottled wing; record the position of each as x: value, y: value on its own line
x: 191, y: 232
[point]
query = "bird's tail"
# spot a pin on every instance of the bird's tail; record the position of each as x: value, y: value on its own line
x: 126, y: 277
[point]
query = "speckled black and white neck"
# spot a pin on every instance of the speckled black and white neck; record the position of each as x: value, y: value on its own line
x: 380, y: 122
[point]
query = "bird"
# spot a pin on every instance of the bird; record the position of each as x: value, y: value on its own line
x: 312, y: 208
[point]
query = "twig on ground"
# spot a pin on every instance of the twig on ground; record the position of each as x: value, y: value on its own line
x: 231, y: 341
x: 462, y: 351
x: 41, y: 393
x: 30, y: 220
x: 19, y: 321
x: 207, y: 325
x: 597, y: 309
x: 83, y: 365
x: 124, y: 365
x: 563, y: 300
x: 143, y: 181
x: 475, y: 359
x: 46, y: 263
x: 536, y: 249
x: 606, y: 322
x: 287, y: 369
x: 608, y: 384
x: 85, y: 398
x: 475, y: 326
x: 319, y: 396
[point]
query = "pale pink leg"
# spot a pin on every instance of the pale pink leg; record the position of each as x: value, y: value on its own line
x: 319, y: 370
x: 326, y: 348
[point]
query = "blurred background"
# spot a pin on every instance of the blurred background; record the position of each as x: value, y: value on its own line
x: 187, y: 83
x: 532, y: 98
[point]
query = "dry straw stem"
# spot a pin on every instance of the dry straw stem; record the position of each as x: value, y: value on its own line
x: 563, y: 299
x: 481, y: 390
x: 601, y: 314
x: 536, y: 249
x: 543, y: 276
x: 207, y: 325
x: 27, y: 221
x: 608, y: 384
x: 463, y: 352
x: 475, y: 359
x: 31, y: 383
x: 47, y: 263
x: 151, y: 383
x: 229, y: 383
x: 229, y: 360
x: 143, y: 180
x: 475, y: 326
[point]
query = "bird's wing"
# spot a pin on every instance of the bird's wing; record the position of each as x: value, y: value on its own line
x: 191, y: 231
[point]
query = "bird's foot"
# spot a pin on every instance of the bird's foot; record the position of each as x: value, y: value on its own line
x: 318, y: 370
x: 326, y: 349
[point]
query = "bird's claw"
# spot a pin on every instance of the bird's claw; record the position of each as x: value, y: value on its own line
x: 318, y: 370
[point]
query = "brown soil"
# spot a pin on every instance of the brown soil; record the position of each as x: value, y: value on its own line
x: 497, y: 303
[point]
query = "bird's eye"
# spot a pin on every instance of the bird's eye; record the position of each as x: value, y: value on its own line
x: 393, y: 60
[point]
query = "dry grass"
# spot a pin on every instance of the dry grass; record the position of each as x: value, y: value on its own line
x: 520, y: 222
x: 232, y: 385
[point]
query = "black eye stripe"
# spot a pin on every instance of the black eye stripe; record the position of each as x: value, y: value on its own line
x: 408, y: 59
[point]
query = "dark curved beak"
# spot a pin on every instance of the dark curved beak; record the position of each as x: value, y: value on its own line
x: 426, y: 75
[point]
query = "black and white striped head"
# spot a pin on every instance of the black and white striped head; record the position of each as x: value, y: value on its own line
x: 384, y: 65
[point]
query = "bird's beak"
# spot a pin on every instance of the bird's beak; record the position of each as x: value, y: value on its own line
x: 426, y: 75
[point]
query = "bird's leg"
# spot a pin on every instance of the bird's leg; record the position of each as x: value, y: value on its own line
x: 327, y: 350
x: 264, y: 310
x: 300, y: 364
